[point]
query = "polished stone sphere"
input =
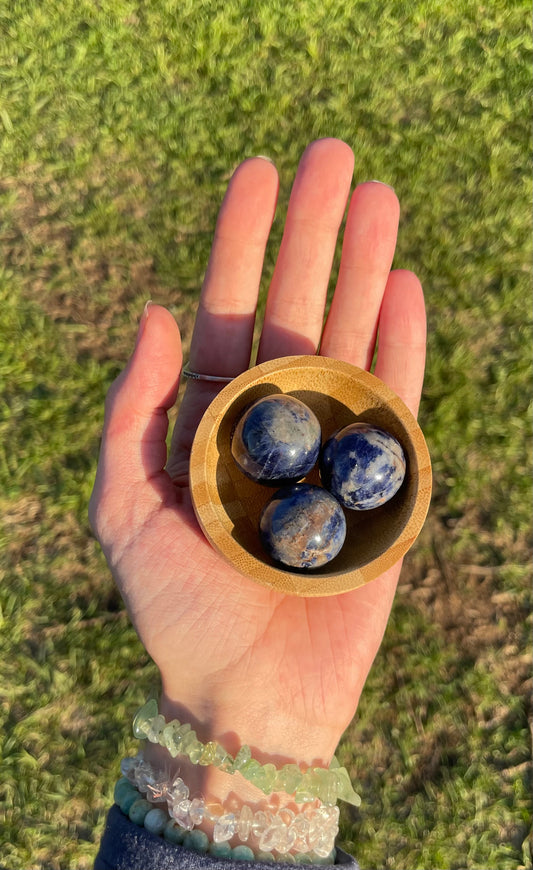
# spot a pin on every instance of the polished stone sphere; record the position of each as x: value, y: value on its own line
x: 277, y: 440
x: 302, y: 526
x: 362, y: 466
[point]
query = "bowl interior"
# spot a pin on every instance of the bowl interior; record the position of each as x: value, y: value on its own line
x: 228, y: 504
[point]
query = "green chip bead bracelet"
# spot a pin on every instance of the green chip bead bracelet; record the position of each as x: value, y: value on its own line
x: 325, y: 784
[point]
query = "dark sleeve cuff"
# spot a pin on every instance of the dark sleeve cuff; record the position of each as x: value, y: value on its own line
x: 126, y: 846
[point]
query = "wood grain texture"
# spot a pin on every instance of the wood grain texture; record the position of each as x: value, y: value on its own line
x: 228, y: 505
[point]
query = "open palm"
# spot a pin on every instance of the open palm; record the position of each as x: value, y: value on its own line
x: 250, y: 664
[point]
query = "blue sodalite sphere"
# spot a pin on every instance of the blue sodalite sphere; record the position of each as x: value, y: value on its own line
x: 302, y: 526
x: 362, y: 466
x: 277, y: 440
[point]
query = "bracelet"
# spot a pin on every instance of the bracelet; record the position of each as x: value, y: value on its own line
x: 326, y: 785
x: 307, y: 836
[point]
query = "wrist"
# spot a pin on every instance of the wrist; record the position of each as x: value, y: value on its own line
x: 217, y: 774
x: 231, y: 799
x: 275, y: 736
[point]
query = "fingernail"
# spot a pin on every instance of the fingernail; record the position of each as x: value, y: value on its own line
x: 264, y: 157
x: 142, y: 322
x: 377, y: 181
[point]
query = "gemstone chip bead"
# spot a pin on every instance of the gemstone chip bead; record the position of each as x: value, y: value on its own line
x: 209, y: 752
x: 225, y: 827
x: 177, y: 792
x: 169, y: 739
x: 288, y: 778
x: 300, y: 827
x: 142, y: 719
x: 156, y: 792
x: 260, y: 823
x: 155, y: 728
x: 128, y: 766
x: 244, y: 755
x: 270, y: 839
x: 144, y: 776
x: 223, y: 759
x: 244, y: 824
x: 180, y: 811
x: 345, y: 790
x: 197, y: 811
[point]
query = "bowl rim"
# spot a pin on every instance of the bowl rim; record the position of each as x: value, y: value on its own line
x: 209, y: 508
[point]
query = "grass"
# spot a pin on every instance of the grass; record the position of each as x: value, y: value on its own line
x: 120, y: 123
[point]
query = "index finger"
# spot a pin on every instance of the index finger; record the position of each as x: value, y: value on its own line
x: 223, y: 331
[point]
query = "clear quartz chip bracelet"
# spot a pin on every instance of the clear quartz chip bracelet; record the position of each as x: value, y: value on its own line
x: 325, y: 784
x: 308, y: 833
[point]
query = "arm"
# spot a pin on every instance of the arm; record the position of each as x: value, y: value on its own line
x: 241, y: 663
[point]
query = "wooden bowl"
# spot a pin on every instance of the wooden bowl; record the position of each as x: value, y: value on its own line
x: 228, y: 504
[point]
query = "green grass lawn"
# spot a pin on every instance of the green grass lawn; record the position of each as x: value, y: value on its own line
x: 120, y: 123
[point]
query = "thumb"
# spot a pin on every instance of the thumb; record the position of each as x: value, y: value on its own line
x: 133, y: 450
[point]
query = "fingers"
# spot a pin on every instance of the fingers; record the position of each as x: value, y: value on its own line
x: 367, y: 254
x: 133, y: 447
x: 370, y: 302
x: 222, y: 337
x: 402, y: 338
x: 296, y: 299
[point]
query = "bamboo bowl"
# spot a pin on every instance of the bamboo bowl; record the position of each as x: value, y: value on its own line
x: 228, y: 505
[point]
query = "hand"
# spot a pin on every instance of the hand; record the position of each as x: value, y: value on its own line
x: 243, y: 663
